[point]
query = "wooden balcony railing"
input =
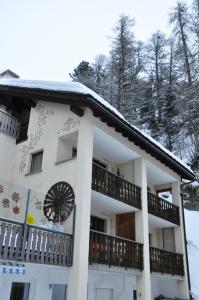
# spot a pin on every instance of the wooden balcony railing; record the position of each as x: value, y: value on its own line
x: 166, y: 262
x: 115, y: 251
x: 163, y: 209
x: 26, y: 243
x: 114, y: 186
x: 9, y: 125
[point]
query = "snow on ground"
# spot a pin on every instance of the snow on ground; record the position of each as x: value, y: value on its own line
x: 192, y: 230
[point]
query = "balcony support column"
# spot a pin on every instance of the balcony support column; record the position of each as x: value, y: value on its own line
x: 142, y: 231
x: 78, y: 278
x: 180, y: 243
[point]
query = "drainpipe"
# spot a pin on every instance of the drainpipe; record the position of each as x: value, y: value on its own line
x: 185, y: 238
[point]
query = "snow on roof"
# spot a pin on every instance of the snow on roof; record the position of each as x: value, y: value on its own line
x: 3, y: 70
x: 78, y: 88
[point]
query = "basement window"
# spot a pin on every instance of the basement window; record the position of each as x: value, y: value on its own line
x: 36, y: 162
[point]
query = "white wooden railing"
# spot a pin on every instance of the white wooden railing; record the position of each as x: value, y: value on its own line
x: 9, y: 125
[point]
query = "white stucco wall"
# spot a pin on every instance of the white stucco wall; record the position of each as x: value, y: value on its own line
x: 39, y: 277
x: 7, y: 156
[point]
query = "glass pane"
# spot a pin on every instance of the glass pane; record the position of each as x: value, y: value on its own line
x: 36, y: 162
x: 59, y: 292
x: 19, y: 291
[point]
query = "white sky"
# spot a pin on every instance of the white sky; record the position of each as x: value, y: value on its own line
x: 47, y: 39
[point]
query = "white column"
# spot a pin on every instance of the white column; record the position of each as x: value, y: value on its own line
x: 142, y: 231
x: 78, y: 277
x: 183, y: 287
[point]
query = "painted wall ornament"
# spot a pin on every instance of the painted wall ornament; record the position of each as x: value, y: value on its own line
x: 69, y: 124
x: 16, y: 210
x: 33, y: 139
x: 6, y: 203
x: 59, y: 202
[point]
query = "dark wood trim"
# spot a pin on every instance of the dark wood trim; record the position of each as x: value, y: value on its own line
x: 164, y: 209
x: 77, y: 110
x: 115, y: 187
x: 166, y: 262
x: 114, y: 251
x: 22, y: 242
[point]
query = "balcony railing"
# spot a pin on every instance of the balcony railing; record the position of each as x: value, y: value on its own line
x: 163, y: 209
x: 115, y: 251
x: 26, y: 243
x: 9, y: 125
x: 116, y: 187
x: 166, y: 262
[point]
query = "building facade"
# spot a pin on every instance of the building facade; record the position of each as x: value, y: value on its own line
x: 90, y: 207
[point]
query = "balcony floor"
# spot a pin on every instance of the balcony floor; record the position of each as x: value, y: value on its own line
x: 110, y: 205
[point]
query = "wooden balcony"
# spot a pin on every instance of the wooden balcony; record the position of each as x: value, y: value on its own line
x: 163, y: 209
x: 9, y: 125
x: 26, y: 243
x: 166, y: 262
x: 116, y: 187
x: 115, y: 251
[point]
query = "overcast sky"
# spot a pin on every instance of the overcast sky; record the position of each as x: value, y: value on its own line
x: 46, y: 39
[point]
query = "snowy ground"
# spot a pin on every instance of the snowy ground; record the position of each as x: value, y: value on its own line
x: 192, y: 229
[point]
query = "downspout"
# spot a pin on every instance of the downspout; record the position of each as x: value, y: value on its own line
x: 185, y: 238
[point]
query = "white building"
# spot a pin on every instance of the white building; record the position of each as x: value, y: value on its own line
x: 83, y: 213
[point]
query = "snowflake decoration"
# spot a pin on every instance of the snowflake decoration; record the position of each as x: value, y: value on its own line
x: 1, y: 188
x: 5, y: 203
x: 38, y: 204
x: 15, y: 210
x: 43, y: 220
x: 15, y: 197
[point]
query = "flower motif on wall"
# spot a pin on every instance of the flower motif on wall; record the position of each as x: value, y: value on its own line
x: 69, y: 124
x: 43, y: 221
x: 15, y: 210
x: 5, y: 202
x: 1, y: 188
x: 38, y: 204
x: 34, y: 138
x: 30, y: 219
x: 15, y: 197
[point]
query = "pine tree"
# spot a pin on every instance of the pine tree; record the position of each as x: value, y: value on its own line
x: 180, y: 19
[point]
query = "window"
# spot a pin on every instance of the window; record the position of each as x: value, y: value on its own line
x: 19, y: 291
x: 168, y: 239
x: 74, y: 152
x: 99, y: 163
x: 67, y: 147
x: 36, y: 162
x: 59, y: 292
x: 97, y: 224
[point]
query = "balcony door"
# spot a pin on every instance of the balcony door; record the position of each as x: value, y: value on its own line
x: 125, y: 226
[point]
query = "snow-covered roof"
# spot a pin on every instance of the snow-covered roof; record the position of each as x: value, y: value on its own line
x: 8, y: 72
x: 78, y: 88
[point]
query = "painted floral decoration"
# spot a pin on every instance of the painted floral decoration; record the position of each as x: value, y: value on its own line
x: 15, y: 210
x: 30, y: 219
x: 15, y: 197
x: 5, y: 203
x: 1, y: 188
x: 43, y: 221
x: 38, y: 204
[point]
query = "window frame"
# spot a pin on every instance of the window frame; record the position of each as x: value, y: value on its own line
x: 31, y: 169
